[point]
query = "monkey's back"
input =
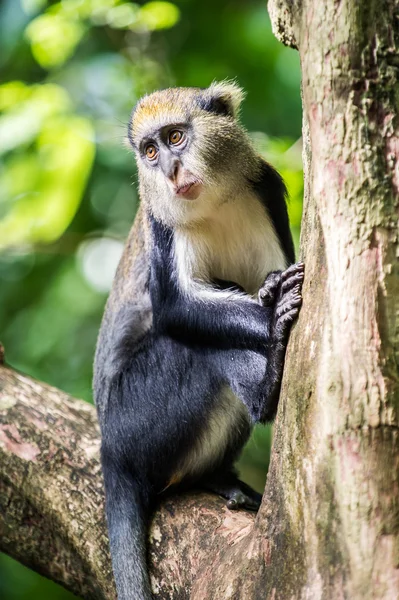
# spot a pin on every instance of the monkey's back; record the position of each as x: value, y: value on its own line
x: 129, y: 295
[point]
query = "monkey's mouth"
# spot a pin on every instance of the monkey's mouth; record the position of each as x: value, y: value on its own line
x: 189, y: 191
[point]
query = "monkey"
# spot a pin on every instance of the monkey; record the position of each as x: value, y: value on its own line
x: 192, y: 343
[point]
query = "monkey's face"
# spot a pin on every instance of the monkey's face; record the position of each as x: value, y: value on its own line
x: 191, y: 151
x: 165, y: 152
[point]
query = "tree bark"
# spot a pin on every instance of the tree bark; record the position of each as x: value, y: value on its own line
x: 328, y: 526
x: 335, y: 465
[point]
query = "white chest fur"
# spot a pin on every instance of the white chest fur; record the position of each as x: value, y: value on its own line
x: 237, y: 243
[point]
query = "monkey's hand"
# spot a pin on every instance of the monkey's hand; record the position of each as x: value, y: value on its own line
x: 282, y: 291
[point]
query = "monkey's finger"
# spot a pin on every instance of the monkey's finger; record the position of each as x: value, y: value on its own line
x: 292, y: 270
x: 273, y: 279
x: 285, y: 320
x: 267, y: 297
x: 268, y: 291
x: 293, y: 300
x: 294, y: 279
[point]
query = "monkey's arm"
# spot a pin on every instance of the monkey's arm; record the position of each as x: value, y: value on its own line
x: 211, y: 317
x: 217, y: 321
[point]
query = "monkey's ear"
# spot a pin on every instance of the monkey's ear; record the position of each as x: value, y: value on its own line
x: 222, y: 98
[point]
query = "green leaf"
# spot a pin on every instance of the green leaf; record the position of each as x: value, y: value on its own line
x: 29, y: 109
x: 158, y: 15
x: 65, y: 149
x: 53, y: 38
x: 13, y: 93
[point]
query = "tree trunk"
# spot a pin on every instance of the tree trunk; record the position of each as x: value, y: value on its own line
x: 331, y: 514
x: 328, y: 527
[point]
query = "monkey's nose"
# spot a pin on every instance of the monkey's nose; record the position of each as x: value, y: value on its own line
x: 174, y: 171
x: 170, y: 166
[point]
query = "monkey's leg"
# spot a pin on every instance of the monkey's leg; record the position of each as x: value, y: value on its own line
x: 237, y: 493
x: 156, y: 414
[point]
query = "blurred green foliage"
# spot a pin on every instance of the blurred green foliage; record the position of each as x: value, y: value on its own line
x: 70, y: 73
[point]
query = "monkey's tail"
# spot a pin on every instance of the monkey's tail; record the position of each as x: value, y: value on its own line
x: 127, y: 517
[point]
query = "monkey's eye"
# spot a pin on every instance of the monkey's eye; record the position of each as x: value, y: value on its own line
x: 176, y: 137
x: 151, y: 152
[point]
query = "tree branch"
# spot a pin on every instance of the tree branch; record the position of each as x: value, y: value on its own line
x: 51, y: 500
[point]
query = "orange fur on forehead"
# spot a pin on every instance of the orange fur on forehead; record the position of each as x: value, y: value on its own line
x: 161, y: 108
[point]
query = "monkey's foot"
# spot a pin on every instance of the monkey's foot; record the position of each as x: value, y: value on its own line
x: 238, y: 499
x: 237, y: 493
x: 289, y: 301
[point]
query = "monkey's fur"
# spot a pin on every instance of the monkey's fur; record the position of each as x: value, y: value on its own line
x: 189, y: 356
